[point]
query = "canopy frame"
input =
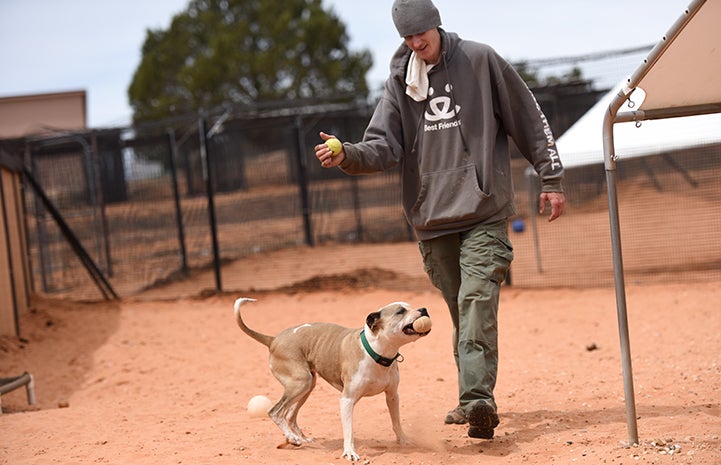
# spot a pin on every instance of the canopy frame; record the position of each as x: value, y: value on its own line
x: 612, y: 116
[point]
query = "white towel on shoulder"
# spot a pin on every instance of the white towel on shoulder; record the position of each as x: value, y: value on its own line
x: 417, y: 78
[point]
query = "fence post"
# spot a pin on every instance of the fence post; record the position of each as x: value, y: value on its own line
x: 207, y: 172
x: 172, y: 150
x: 100, y: 200
x: 40, y: 215
x: 93, y: 186
x: 303, y: 180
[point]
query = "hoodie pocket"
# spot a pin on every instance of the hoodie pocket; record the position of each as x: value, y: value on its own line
x: 448, y: 197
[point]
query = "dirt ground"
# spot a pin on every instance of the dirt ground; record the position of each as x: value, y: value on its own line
x: 165, y: 378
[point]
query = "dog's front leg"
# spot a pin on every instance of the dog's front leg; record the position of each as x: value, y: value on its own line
x: 393, y: 403
x: 346, y: 416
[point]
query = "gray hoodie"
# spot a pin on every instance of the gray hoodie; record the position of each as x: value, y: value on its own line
x: 453, y: 147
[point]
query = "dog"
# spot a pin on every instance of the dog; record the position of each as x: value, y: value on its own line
x: 358, y: 362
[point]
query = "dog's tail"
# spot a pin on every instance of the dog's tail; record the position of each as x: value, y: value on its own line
x: 262, y: 338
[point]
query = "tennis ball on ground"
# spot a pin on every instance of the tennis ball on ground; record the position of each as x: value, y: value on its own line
x: 422, y: 324
x: 258, y: 406
x: 334, y: 145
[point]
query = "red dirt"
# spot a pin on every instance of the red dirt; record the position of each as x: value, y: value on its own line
x: 158, y: 380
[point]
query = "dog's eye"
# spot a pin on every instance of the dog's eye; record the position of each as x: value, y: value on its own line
x: 401, y: 311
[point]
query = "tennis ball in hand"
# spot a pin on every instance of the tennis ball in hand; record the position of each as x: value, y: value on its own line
x: 422, y: 324
x: 334, y: 145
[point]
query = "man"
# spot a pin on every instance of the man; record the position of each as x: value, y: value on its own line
x: 447, y: 111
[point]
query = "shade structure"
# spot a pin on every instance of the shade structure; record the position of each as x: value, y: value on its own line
x: 580, y: 145
x: 684, y: 71
x: 679, y: 78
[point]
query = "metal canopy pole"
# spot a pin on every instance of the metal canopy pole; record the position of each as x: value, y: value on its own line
x: 622, y: 315
x: 611, y: 117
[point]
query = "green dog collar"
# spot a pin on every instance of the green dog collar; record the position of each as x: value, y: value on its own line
x: 379, y: 359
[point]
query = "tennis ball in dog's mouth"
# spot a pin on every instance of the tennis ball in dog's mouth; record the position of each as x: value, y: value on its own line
x: 422, y: 324
x: 334, y: 145
x: 258, y: 406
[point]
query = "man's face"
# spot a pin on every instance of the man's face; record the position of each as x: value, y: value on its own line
x: 427, y: 45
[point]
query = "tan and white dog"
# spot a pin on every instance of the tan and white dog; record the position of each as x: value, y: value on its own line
x: 357, y: 362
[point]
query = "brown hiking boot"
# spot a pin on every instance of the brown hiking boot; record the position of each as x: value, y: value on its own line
x: 482, y: 419
x: 456, y: 417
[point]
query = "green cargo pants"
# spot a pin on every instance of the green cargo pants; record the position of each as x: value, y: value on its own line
x: 469, y: 268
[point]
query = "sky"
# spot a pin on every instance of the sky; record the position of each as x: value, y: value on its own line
x: 95, y: 45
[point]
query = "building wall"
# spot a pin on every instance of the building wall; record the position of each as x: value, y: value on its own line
x: 41, y: 113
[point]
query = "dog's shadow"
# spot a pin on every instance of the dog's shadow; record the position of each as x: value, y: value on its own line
x: 371, y: 447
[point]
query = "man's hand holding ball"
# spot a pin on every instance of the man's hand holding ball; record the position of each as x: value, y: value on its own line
x: 330, y: 153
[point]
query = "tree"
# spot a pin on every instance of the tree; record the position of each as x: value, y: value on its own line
x: 246, y: 52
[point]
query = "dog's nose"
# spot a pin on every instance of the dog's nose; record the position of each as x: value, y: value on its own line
x: 423, y: 311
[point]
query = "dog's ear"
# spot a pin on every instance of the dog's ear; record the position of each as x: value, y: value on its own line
x: 372, y: 321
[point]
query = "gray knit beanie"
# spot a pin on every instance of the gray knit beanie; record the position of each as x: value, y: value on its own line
x: 415, y: 16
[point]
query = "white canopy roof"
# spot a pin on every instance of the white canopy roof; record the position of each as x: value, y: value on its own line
x: 680, y: 76
x: 582, y: 145
x: 687, y: 73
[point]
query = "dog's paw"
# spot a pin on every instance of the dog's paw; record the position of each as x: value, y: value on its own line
x: 350, y: 455
x: 294, y: 441
x: 405, y: 441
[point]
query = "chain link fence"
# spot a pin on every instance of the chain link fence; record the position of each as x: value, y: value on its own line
x: 153, y: 204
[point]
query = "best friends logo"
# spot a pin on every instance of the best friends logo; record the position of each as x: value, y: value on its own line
x: 440, y: 111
